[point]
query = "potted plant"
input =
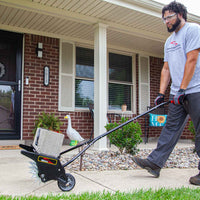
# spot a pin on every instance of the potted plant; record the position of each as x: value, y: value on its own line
x: 47, y: 121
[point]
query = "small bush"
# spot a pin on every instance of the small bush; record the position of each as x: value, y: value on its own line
x: 126, y: 138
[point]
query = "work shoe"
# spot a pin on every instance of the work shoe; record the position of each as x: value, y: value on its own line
x: 195, y: 180
x: 149, y: 166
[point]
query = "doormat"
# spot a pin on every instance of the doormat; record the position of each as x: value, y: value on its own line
x: 9, y: 147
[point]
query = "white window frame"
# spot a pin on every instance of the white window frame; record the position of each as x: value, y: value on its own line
x: 71, y: 94
x: 133, y: 84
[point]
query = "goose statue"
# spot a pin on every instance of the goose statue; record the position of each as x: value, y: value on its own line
x: 72, y: 133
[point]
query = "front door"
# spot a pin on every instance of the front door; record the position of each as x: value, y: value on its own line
x: 10, y: 84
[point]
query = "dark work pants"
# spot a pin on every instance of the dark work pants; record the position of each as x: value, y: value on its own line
x: 171, y: 132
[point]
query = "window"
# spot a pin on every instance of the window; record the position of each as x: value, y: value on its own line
x: 120, y: 81
x: 76, y: 82
x: 84, y: 82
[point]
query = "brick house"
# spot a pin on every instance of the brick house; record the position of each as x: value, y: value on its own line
x: 101, y: 52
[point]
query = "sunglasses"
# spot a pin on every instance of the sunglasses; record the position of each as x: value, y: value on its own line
x: 168, y: 18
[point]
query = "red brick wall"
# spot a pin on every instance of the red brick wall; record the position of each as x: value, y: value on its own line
x: 37, y: 97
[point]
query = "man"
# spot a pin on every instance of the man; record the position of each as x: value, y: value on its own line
x: 182, y: 67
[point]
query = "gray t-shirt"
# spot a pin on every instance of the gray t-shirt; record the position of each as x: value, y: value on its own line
x: 176, y: 48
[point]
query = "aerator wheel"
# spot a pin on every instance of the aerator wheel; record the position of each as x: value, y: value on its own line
x: 68, y: 183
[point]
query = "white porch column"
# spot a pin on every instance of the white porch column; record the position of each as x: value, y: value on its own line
x: 100, y: 85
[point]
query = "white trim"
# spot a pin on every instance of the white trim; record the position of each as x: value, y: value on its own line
x: 86, y: 45
x: 121, y: 82
x: 59, y: 77
x: 135, y: 51
x: 78, y: 41
x: 134, y: 103
x: 100, y: 80
x: 140, y: 83
x: 119, y: 51
x: 140, y: 7
x: 72, y: 95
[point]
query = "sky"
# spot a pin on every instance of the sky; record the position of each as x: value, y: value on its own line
x: 193, y: 6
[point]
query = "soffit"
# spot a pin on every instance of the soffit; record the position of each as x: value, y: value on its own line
x: 132, y: 25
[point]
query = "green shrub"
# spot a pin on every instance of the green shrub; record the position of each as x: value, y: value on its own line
x: 126, y: 138
x: 191, y: 129
x: 47, y: 121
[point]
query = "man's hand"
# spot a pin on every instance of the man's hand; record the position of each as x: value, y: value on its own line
x: 179, y: 97
x: 159, y: 99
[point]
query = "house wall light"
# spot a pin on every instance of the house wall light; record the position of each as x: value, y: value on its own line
x: 39, y: 50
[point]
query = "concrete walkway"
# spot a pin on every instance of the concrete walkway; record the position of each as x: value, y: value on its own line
x: 16, y: 179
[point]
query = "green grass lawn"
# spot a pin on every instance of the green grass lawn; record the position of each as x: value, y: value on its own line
x: 161, y: 194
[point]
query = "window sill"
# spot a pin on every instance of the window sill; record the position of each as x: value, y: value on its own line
x: 118, y: 112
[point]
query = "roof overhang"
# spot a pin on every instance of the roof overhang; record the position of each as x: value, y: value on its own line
x: 132, y: 25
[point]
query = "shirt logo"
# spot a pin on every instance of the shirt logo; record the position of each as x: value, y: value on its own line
x: 174, y: 43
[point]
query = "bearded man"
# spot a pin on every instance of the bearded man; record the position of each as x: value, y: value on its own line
x: 182, y: 67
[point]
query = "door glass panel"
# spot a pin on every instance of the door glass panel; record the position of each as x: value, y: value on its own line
x: 7, y: 104
x: 10, y: 91
x: 7, y: 62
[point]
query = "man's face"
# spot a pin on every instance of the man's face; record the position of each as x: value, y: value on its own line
x: 171, y: 20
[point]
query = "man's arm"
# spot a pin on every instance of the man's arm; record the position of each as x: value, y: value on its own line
x: 165, y: 78
x: 190, y: 66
